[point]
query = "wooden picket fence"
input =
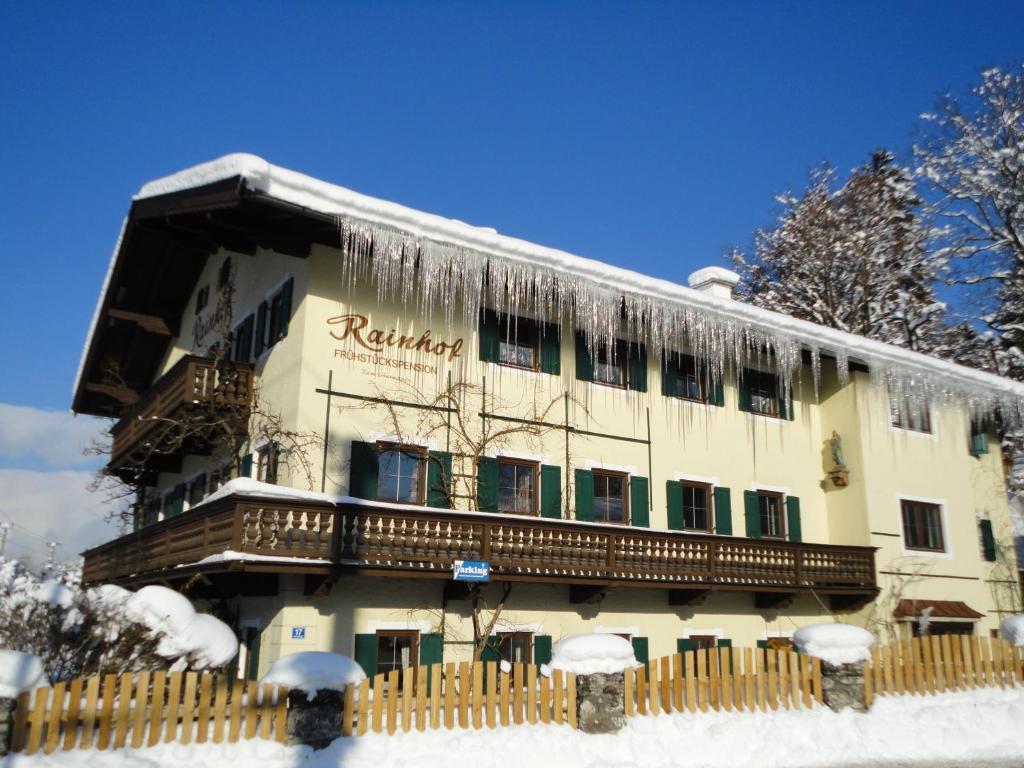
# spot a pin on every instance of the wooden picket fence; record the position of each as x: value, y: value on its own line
x: 145, y: 709
x: 939, y: 663
x: 751, y: 679
x: 465, y: 695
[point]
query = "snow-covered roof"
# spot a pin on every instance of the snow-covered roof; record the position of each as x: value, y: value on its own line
x: 662, y: 313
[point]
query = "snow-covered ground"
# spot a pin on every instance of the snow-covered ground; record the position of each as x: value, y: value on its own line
x: 980, y: 728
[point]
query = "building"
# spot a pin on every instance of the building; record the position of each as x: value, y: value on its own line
x: 326, y: 400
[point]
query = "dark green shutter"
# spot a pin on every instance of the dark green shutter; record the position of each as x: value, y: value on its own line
x: 717, y: 393
x: 724, y: 642
x: 988, y: 540
x: 674, y: 493
x: 366, y: 654
x: 669, y: 373
x: 439, y: 479
x: 723, y: 512
x: 487, y: 484
x: 363, y: 470
x: 637, y: 373
x: 431, y: 648
x: 793, y: 517
x: 584, y: 494
x: 492, y: 649
x: 584, y: 365
x: 245, y: 466
x: 542, y: 649
x: 285, y: 314
x: 550, y: 348
x: 639, y: 502
x: 753, y: 514
x: 175, y: 501
x: 490, y: 344
x: 762, y: 644
x: 551, y: 491
x: 640, y: 649
x: 254, y: 635
x: 261, y: 329
x: 979, y: 440
x: 684, y: 644
x: 744, y: 387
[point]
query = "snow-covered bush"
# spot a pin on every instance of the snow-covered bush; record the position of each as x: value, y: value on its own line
x: 593, y: 654
x: 313, y: 671
x: 106, y: 629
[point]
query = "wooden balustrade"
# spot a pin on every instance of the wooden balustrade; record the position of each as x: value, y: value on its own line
x: 312, y: 536
x: 192, y: 381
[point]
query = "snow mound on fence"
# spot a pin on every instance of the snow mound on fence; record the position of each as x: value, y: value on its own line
x: 20, y: 672
x: 593, y: 654
x: 1012, y: 629
x: 313, y: 671
x: 835, y: 644
x: 204, y: 640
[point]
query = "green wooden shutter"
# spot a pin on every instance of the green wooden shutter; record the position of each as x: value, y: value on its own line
x: 724, y: 642
x: 551, y: 491
x: 487, y: 484
x: 669, y: 373
x: 363, y: 470
x: 490, y: 344
x: 584, y: 365
x: 637, y: 373
x: 431, y: 648
x: 723, y: 512
x: 979, y: 439
x: 762, y: 644
x: 492, y: 649
x: 717, y: 394
x: 640, y: 649
x: 639, y: 502
x: 366, y: 654
x: 261, y: 329
x: 753, y: 514
x: 674, y: 493
x: 744, y: 387
x: 684, y: 644
x: 793, y: 518
x: 175, y: 501
x: 439, y: 479
x: 285, y: 314
x: 988, y: 540
x: 584, y: 494
x: 550, y: 348
x: 542, y: 649
x: 245, y: 466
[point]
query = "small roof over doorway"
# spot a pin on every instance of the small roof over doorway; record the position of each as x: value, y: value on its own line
x: 941, y: 609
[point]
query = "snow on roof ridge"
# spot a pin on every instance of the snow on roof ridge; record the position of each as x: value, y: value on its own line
x: 332, y: 199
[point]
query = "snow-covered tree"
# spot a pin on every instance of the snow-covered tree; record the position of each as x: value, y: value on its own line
x: 852, y: 257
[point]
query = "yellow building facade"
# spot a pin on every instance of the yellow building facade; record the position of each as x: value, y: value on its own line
x: 699, y: 475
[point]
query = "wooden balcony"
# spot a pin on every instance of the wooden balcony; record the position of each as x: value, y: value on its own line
x: 333, y: 539
x: 151, y: 428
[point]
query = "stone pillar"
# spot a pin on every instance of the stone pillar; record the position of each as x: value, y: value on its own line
x: 842, y: 686
x: 600, y: 702
x: 7, y: 707
x: 315, y: 721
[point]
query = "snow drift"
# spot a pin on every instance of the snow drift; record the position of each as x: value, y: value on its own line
x: 835, y: 644
x: 593, y: 654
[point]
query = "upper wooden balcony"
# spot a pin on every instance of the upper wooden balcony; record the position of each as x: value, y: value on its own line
x: 331, y: 540
x: 152, y: 427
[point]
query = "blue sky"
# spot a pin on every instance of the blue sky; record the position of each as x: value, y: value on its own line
x: 650, y: 135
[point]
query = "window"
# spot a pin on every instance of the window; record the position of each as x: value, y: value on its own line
x: 241, y: 341
x: 703, y: 642
x: 516, y: 647
x: 942, y: 628
x: 518, y: 343
x: 685, y: 378
x: 272, y: 318
x: 914, y: 417
x: 610, y: 366
x: 196, y: 490
x: 696, y: 506
x: 610, y: 504
x: 266, y: 463
x: 401, y: 473
x: 763, y: 389
x: 396, y: 649
x: 922, y: 526
x: 517, y: 487
x: 773, y: 521
x: 202, y: 298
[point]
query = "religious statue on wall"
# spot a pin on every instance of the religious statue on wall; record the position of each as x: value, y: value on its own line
x: 840, y: 474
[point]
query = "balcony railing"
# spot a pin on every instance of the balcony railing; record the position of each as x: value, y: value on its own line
x: 192, y: 382
x: 415, y: 542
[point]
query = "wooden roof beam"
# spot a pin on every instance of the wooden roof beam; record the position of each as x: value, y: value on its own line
x: 150, y: 323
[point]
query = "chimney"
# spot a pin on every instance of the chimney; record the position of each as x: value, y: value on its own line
x: 714, y: 281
